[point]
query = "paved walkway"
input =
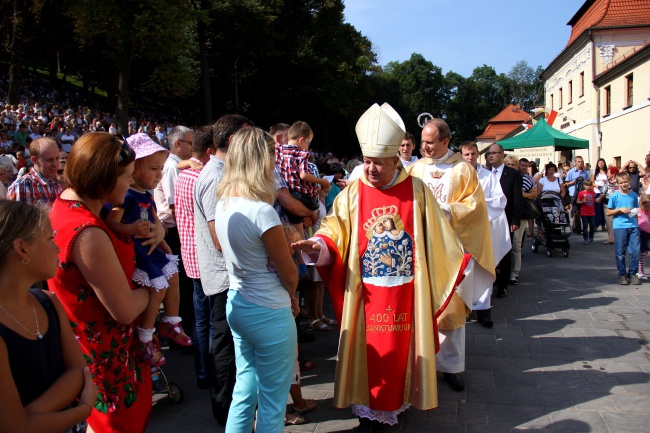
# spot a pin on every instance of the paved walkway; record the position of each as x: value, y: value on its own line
x: 568, y: 353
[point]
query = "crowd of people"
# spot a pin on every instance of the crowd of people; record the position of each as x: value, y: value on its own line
x: 237, y: 232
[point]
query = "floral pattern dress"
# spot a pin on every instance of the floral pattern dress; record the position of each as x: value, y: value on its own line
x: 123, y: 379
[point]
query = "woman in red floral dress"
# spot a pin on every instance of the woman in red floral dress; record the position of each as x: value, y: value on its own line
x: 93, y: 282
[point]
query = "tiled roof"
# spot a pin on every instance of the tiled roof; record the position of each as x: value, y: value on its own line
x: 511, y: 113
x: 609, y: 13
x: 495, y: 132
x: 504, y: 123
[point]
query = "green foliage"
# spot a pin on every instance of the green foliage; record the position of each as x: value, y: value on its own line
x: 271, y: 60
x: 417, y: 86
x: 526, y: 87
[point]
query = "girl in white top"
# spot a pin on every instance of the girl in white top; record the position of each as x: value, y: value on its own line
x: 550, y: 182
x: 263, y: 280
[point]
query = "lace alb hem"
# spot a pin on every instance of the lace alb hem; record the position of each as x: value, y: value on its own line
x: 384, y: 416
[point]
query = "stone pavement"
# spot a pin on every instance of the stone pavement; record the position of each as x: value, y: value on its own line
x: 568, y: 353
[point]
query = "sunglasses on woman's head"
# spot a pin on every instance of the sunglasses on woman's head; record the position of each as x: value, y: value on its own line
x: 125, y: 153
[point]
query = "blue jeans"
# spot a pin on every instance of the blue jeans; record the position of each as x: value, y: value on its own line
x: 627, y: 240
x: 203, y: 329
x: 588, y: 221
x: 265, y: 349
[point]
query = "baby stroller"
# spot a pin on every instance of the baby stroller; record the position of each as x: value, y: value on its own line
x: 162, y: 388
x: 554, y: 220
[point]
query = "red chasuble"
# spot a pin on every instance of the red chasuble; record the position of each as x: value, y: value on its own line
x: 386, y: 252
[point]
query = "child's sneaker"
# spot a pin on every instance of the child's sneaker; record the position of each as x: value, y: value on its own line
x: 642, y: 276
x: 151, y: 353
x: 175, y: 333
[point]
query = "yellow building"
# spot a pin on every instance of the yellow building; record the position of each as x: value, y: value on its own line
x: 600, y: 83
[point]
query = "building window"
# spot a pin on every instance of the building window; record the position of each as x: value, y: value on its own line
x: 570, y: 95
x: 629, y: 87
x: 608, y: 100
x: 617, y: 161
x: 552, y: 106
x: 559, y: 97
x: 582, y: 84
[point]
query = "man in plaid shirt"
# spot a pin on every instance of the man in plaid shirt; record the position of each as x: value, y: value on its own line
x: 39, y: 186
x: 202, y: 148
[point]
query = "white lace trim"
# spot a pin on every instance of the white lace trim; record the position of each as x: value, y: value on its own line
x: 384, y: 416
x: 170, y: 268
x: 142, y: 278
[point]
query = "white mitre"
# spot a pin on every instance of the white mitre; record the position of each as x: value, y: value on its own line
x: 380, y: 131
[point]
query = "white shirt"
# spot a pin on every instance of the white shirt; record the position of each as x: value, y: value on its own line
x: 241, y: 224
x: 499, y: 171
x: 548, y: 185
x: 407, y: 163
x: 164, y: 193
x: 496, y: 206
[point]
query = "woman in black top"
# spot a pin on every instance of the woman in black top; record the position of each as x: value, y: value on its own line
x: 42, y: 370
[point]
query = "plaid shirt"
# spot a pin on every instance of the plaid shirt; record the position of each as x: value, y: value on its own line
x: 34, y: 188
x: 293, y: 161
x: 184, y: 210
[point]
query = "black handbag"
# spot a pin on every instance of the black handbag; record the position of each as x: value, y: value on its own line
x: 529, y: 209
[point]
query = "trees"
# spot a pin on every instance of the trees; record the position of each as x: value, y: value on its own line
x: 526, y: 87
x: 413, y: 87
x: 154, y: 35
x: 476, y: 99
x: 284, y: 59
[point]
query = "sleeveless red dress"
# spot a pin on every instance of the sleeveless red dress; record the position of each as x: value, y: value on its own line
x: 122, y: 377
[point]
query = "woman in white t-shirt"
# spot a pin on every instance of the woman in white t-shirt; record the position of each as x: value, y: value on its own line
x: 263, y: 280
x: 599, y: 179
x: 550, y: 182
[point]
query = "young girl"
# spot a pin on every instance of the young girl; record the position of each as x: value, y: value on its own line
x: 155, y: 267
x: 644, y: 233
x: 317, y: 319
x: 587, y: 200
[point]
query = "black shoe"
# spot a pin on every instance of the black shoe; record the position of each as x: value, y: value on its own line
x: 484, y: 318
x: 455, y: 381
x: 368, y: 426
x: 514, y: 282
x: 501, y: 293
x: 305, y: 338
x: 202, y: 383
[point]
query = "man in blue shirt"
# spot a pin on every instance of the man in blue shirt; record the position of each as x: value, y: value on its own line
x: 573, y: 174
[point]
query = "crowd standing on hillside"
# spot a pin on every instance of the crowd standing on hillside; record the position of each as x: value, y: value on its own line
x: 238, y: 231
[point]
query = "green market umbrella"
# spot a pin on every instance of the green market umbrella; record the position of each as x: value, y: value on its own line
x: 542, y: 134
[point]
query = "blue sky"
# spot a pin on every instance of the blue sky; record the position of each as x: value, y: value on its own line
x: 460, y: 35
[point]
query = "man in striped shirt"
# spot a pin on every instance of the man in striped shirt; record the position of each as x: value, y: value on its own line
x: 528, y: 191
x: 40, y: 185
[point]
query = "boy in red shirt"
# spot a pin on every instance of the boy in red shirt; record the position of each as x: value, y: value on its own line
x: 586, y: 199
